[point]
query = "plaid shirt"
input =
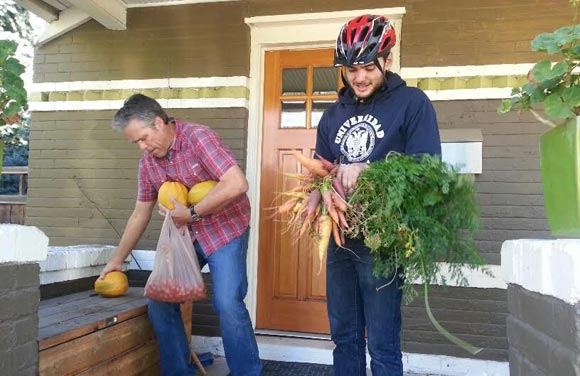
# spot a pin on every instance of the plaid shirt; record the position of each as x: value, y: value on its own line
x: 197, y: 154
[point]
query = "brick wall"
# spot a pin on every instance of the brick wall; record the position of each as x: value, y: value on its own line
x: 78, y: 158
x: 20, y: 296
x: 543, y: 333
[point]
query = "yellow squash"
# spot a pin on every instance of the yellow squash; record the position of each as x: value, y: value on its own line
x: 172, y: 189
x: 114, y: 284
x: 199, y: 191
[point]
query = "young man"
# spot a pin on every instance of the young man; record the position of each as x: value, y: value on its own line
x: 191, y: 153
x: 376, y: 113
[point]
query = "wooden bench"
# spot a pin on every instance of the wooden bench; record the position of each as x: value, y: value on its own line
x: 85, y: 334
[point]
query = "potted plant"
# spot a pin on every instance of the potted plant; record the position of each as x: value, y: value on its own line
x: 13, y: 97
x: 554, y: 85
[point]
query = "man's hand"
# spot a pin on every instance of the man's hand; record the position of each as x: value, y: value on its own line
x: 111, y: 266
x: 181, y: 215
x: 348, y: 175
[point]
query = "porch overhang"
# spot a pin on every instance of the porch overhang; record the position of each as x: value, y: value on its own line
x: 65, y: 15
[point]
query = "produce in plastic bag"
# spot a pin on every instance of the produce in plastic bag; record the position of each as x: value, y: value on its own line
x: 176, y: 276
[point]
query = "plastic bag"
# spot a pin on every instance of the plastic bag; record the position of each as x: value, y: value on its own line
x: 176, y: 276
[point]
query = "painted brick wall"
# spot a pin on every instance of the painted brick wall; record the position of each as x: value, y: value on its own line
x: 20, y: 297
x: 79, y: 152
x: 544, y: 334
x: 509, y: 190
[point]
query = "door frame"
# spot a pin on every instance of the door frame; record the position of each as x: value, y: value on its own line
x: 291, y: 31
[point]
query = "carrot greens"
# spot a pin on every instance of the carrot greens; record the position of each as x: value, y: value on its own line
x: 415, y: 213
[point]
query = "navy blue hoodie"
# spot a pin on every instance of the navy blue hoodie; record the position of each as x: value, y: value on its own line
x: 396, y: 118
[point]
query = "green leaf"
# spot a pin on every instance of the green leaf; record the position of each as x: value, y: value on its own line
x: 575, y: 51
x: 544, y: 42
x: 559, y: 69
x: 571, y: 96
x: 7, y: 48
x: 538, y: 96
x: 556, y: 108
x: 14, y: 66
x: 505, y: 107
x: 567, y: 34
x: 11, y: 109
x: 529, y: 88
x: 542, y: 71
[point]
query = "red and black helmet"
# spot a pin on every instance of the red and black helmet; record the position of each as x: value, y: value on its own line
x: 364, y: 39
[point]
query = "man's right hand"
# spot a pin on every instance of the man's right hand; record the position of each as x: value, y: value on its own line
x: 111, y: 266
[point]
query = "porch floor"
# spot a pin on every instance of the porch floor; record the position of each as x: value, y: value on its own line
x: 276, y: 368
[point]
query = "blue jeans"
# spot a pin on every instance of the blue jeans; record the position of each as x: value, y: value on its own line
x: 356, y: 300
x: 230, y: 283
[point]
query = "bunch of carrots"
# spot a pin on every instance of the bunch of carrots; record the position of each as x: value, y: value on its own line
x: 317, y: 205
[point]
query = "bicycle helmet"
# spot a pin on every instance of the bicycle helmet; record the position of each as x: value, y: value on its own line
x: 363, y: 39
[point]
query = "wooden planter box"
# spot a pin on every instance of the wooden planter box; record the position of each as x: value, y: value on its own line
x: 85, y: 334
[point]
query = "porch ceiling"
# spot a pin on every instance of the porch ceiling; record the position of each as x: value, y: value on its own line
x: 65, y: 15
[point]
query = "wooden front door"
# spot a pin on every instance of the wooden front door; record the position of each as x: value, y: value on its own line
x: 298, y: 87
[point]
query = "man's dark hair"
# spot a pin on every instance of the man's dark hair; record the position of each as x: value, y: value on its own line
x: 141, y: 107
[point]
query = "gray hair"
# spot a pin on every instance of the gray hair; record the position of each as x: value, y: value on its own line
x: 140, y: 107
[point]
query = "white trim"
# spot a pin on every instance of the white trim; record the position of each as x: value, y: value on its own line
x: 40, y: 8
x: 160, y: 83
x: 67, y: 20
x: 475, y: 278
x: 173, y: 2
x: 319, y: 351
x: 112, y: 14
x: 548, y: 267
x: 116, y: 104
x: 22, y: 244
x: 339, y: 17
x: 468, y: 94
x: 467, y: 71
x: 294, y: 31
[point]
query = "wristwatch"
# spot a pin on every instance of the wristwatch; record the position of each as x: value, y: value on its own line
x: 196, y: 217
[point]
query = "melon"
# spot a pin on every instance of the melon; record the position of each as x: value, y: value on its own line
x: 114, y: 284
x: 172, y: 189
x: 199, y: 191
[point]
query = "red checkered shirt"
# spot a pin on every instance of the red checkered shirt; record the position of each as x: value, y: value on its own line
x: 197, y: 154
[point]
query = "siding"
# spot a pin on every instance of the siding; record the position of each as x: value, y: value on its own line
x: 79, y: 152
x: 477, y: 316
x: 175, y: 41
x: 201, y: 40
x: 451, y: 32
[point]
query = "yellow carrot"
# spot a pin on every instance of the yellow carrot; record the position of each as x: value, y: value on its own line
x: 324, y: 233
x: 301, y: 177
x: 286, y: 207
x: 301, y: 195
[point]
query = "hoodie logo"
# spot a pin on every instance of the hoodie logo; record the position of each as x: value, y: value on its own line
x: 357, y: 137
